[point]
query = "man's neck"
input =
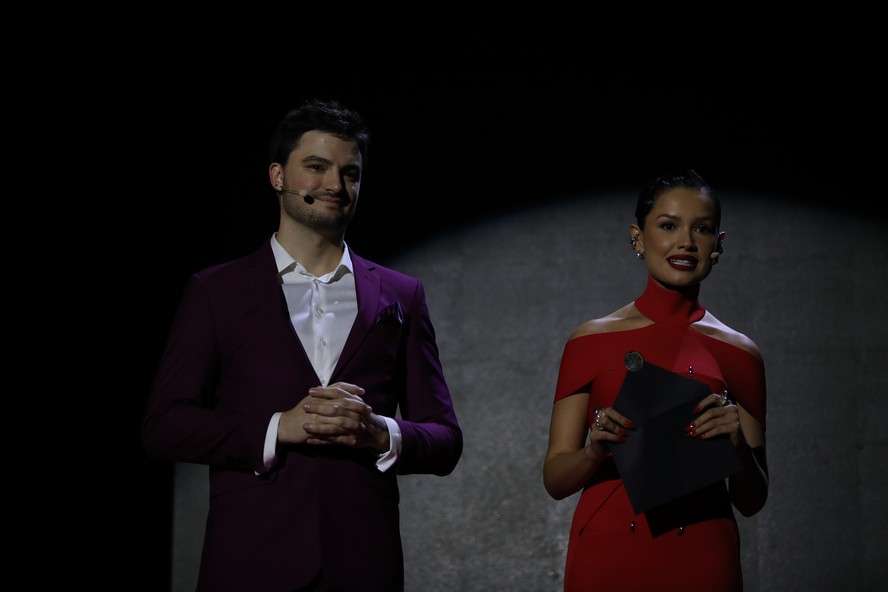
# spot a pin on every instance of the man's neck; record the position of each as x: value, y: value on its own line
x: 316, y: 253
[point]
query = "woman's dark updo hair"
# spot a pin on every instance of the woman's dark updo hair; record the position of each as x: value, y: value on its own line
x: 677, y: 179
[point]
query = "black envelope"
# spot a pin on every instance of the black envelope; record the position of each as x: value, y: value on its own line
x: 658, y: 462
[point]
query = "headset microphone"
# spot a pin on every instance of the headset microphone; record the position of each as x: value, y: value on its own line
x: 303, y: 193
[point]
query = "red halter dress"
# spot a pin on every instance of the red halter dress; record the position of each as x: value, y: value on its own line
x: 688, y: 544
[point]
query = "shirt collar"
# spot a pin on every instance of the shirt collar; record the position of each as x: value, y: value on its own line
x: 285, y: 263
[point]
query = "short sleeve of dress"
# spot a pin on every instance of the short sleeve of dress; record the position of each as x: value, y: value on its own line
x: 744, y: 377
x: 578, y: 364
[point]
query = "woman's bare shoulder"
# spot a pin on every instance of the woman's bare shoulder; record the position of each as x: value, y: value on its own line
x: 623, y: 319
x: 711, y: 326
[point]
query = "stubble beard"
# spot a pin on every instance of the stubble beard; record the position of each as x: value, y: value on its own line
x: 321, y: 220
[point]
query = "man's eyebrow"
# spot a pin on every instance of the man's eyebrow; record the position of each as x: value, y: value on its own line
x: 315, y: 158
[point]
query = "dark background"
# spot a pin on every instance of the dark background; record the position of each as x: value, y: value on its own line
x: 462, y: 133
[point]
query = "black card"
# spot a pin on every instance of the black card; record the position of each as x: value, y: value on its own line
x: 659, y: 462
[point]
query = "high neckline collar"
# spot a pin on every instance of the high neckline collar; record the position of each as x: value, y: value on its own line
x: 670, y: 307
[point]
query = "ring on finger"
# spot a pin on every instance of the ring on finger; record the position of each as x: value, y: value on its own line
x: 599, y: 412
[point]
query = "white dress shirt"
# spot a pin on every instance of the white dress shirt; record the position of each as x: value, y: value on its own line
x: 322, y: 310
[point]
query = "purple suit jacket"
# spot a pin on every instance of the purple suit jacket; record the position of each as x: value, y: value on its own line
x: 231, y: 361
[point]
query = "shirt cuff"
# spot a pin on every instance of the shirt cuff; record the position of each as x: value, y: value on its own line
x: 269, y: 455
x: 387, y: 459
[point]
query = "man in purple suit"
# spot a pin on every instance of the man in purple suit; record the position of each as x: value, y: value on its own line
x: 307, y: 378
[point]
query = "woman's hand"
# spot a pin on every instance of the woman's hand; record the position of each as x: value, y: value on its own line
x: 720, y: 415
x: 609, y: 426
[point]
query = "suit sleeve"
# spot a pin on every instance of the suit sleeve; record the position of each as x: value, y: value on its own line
x: 183, y: 421
x: 432, y: 440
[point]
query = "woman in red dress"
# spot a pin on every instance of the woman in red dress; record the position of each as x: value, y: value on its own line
x: 690, y: 542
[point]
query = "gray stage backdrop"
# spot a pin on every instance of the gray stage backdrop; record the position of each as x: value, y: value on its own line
x: 807, y: 284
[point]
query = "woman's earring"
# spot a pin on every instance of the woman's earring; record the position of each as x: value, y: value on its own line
x: 718, y: 251
x: 634, y: 243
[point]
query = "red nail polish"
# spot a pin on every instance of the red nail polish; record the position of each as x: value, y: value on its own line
x: 696, y: 409
x: 629, y: 424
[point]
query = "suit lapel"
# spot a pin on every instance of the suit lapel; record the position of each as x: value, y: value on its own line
x: 367, y: 290
x: 263, y: 278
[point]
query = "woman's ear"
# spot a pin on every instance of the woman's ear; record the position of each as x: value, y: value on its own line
x: 718, y: 248
x: 635, y: 241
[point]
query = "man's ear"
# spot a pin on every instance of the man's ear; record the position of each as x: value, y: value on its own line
x: 276, y: 176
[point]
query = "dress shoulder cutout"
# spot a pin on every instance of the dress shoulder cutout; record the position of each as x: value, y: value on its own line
x: 624, y: 319
x: 714, y: 328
